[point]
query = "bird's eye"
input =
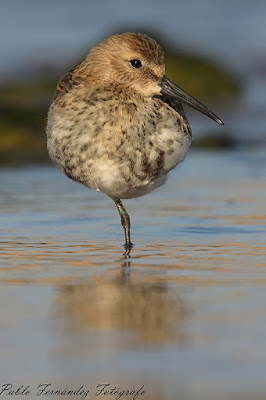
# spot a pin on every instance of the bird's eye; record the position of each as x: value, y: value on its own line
x: 136, y: 63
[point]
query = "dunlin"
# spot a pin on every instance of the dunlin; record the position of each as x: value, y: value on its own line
x: 117, y: 124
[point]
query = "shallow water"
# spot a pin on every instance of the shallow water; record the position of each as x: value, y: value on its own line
x: 184, y: 316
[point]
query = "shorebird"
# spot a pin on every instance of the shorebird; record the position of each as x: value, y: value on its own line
x: 117, y: 124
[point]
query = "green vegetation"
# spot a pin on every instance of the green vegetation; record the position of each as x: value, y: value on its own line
x: 23, y: 109
x: 214, y: 142
x: 24, y: 105
x: 201, y: 78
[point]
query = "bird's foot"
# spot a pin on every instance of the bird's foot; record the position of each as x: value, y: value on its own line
x: 128, y: 247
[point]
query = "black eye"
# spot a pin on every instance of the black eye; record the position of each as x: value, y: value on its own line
x: 136, y: 63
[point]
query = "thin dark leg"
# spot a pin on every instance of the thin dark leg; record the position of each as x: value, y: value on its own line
x: 125, y: 221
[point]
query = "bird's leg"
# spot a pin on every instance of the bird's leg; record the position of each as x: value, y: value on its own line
x: 125, y: 221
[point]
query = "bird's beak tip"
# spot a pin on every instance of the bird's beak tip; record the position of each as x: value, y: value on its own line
x: 219, y: 121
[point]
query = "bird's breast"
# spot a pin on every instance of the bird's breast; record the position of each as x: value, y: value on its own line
x: 122, y: 149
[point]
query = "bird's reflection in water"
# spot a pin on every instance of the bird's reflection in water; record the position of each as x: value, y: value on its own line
x: 135, y: 313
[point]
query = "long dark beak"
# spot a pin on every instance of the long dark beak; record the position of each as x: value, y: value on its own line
x: 171, y: 90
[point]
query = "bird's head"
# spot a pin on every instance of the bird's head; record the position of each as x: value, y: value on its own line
x: 135, y: 62
x: 130, y: 60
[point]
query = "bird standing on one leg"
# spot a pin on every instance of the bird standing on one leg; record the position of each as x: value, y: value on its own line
x: 117, y: 124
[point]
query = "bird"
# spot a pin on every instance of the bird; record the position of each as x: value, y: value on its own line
x: 117, y: 124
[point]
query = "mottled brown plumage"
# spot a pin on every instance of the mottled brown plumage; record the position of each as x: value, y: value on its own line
x: 116, y: 124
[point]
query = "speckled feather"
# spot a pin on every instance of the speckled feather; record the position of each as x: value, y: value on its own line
x: 109, y: 127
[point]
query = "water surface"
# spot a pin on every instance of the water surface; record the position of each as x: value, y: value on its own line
x: 184, y: 316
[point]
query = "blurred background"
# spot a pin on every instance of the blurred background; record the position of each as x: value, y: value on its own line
x: 214, y: 49
x: 185, y: 315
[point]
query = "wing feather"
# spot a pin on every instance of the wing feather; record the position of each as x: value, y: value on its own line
x: 177, y: 106
x: 66, y: 84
